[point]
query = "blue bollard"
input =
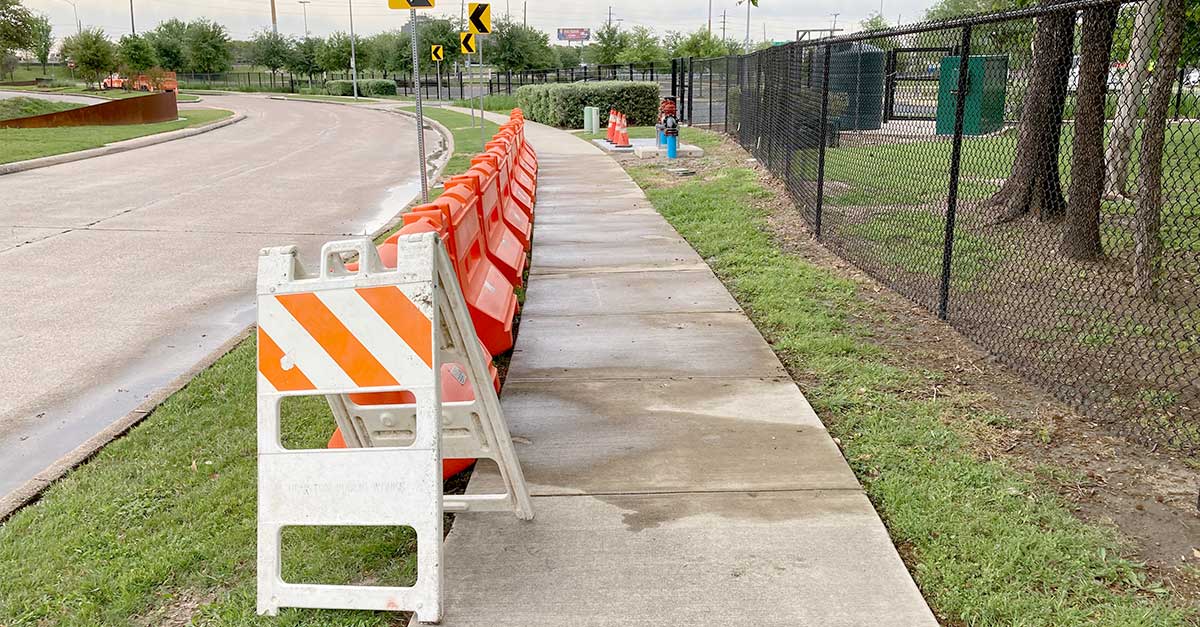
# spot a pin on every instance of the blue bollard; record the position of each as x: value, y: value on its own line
x: 672, y: 147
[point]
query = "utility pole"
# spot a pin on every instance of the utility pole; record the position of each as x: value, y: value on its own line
x: 723, y: 18
x: 304, y: 5
x: 274, y: 19
x: 710, y: 17
x: 748, y: 5
x: 132, y: 28
x: 78, y: 24
x: 525, y: 14
x: 353, y: 54
x: 833, y: 29
x: 610, y: 15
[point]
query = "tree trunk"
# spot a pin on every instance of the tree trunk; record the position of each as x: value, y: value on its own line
x: 1133, y: 85
x: 1147, y: 243
x: 1034, y: 186
x: 1081, y: 238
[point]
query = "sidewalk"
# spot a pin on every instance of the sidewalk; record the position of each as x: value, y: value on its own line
x: 680, y: 476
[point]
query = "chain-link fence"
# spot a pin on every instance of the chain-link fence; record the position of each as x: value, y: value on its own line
x: 507, y: 82
x: 1033, y: 177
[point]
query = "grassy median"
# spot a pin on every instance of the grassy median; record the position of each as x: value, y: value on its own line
x: 988, y: 544
x: 19, y: 144
x: 159, y: 527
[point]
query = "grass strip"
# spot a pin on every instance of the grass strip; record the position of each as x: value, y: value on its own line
x: 22, y: 107
x: 985, y: 544
x: 19, y: 144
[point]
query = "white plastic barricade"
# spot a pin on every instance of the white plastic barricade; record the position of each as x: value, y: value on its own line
x: 372, y: 330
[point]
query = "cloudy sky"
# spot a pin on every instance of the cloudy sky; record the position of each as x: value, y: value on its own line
x: 779, y: 17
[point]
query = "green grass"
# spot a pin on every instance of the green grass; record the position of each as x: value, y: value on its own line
x: 689, y: 135
x: 467, y: 141
x: 106, y: 94
x: 168, y: 511
x: 913, y: 240
x: 19, y: 144
x: 21, y: 107
x: 986, y: 543
x: 498, y: 103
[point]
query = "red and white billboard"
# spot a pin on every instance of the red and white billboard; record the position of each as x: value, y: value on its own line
x: 574, y: 34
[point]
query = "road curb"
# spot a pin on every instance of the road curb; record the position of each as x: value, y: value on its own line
x: 118, y: 147
x: 31, y: 489
x: 434, y: 176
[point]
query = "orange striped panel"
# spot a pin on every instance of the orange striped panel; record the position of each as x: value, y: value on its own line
x: 403, y: 316
x: 269, y: 356
x: 333, y: 336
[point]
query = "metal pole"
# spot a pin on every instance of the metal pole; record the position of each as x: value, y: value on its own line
x: 691, y: 86
x: 482, y: 126
x: 470, y: 99
x: 133, y: 29
x: 304, y: 5
x: 710, y: 95
x: 960, y: 105
x: 1179, y: 92
x: 824, y: 139
x: 420, y: 111
x: 353, y: 61
x: 439, y: 82
x: 274, y: 21
x: 725, y: 126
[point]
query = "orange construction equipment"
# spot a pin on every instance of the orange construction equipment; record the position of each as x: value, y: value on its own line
x: 622, y: 132
x: 504, y: 246
x: 514, y: 216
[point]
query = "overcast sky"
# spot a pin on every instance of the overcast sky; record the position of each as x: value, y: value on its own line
x: 243, y: 17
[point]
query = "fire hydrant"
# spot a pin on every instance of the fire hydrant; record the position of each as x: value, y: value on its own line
x: 666, y: 108
x: 671, y: 131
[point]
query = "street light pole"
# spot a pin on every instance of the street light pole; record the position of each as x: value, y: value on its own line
x: 353, y: 60
x: 78, y: 24
x: 304, y: 5
x: 274, y: 20
x: 132, y: 28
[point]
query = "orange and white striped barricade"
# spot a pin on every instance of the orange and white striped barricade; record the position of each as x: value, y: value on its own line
x: 347, y: 332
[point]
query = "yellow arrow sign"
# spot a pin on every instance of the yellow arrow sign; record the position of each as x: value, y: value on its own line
x: 480, y: 18
x: 410, y: 4
x: 437, y: 52
x: 466, y: 42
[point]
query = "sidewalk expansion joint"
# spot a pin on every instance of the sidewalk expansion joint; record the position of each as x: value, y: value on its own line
x: 701, y: 492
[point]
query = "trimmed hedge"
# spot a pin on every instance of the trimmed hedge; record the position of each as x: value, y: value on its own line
x: 561, y: 104
x: 366, y: 87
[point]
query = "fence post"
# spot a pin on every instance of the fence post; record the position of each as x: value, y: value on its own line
x: 1179, y: 92
x: 674, y: 79
x: 960, y: 103
x: 691, y: 84
x: 710, y: 94
x: 824, y: 139
x: 725, y: 123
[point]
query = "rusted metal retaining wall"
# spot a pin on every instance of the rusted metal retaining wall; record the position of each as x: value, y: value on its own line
x: 160, y: 107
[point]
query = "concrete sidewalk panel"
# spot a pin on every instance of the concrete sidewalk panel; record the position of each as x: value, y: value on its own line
x: 784, y: 559
x: 606, y: 231
x: 592, y: 293
x: 649, y: 251
x: 650, y: 346
x: 637, y: 437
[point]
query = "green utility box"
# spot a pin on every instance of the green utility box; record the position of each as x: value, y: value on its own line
x: 987, y: 88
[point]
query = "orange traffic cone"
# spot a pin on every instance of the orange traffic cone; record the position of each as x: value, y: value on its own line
x: 612, y: 126
x: 623, y: 131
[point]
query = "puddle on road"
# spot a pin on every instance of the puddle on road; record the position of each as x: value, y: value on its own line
x: 394, y: 201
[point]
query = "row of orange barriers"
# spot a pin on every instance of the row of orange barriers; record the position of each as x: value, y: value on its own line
x: 485, y: 219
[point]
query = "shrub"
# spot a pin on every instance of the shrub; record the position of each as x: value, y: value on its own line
x: 366, y: 87
x: 562, y: 104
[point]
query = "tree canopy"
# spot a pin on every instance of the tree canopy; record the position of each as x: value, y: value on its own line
x: 136, y: 54
x: 16, y: 26
x: 512, y: 46
x: 270, y: 50
x: 93, y: 53
x: 207, y: 47
x: 610, y: 42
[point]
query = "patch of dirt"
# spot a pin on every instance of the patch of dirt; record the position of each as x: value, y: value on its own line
x: 178, y: 609
x: 1149, y: 496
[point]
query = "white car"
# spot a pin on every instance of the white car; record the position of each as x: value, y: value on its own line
x: 1192, y: 79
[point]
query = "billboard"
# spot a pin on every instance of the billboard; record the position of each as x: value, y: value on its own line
x: 574, y: 34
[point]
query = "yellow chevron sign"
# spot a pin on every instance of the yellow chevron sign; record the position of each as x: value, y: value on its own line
x: 467, y: 43
x: 437, y: 52
x: 480, y: 18
x: 410, y: 4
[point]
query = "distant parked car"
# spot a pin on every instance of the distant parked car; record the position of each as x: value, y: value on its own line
x: 113, y: 81
x: 1192, y: 78
x: 1115, y: 72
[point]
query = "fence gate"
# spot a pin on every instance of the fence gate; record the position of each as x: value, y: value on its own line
x: 912, y: 83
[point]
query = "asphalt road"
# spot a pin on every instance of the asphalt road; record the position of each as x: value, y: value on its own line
x: 124, y: 271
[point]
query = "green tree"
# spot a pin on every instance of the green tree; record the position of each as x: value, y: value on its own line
x: 207, y: 47
x: 702, y: 45
x: 136, y: 54
x: 513, y: 46
x: 94, y: 55
x: 169, y: 39
x: 43, y: 40
x: 385, y: 52
x: 443, y: 33
x: 303, y: 59
x: 946, y: 9
x: 643, y: 47
x: 270, y: 50
x: 334, y: 55
x: 16, y: 26
x: 610, y: 42
x: 568, y: 56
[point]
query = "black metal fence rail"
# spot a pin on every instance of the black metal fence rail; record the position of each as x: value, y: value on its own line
x: 508, y: 82
x: 983, y: 181
x: 453, y: 85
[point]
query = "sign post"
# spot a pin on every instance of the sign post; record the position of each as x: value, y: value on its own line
x: 480, y: 23
x: 466, y: 45
x: 438, y: 54
x: 412, y: 6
